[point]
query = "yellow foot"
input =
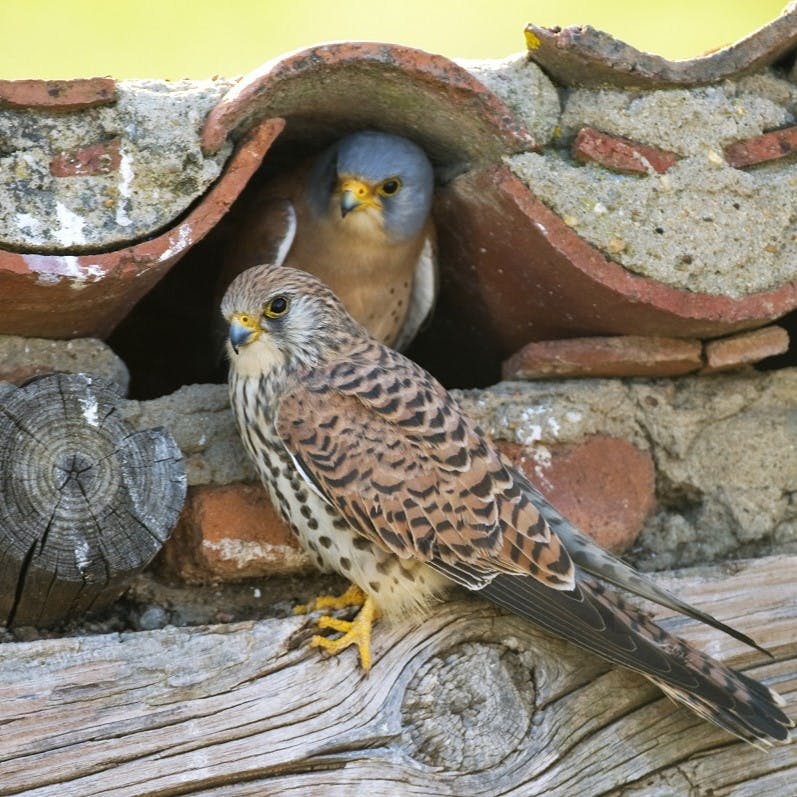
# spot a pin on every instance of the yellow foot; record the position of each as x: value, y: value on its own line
x: 353, y: 596
x: 357, y: 632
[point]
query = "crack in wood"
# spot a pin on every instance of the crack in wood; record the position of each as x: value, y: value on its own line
x: 224, y: 710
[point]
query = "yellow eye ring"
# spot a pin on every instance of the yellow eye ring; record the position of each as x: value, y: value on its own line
x: 276, y: 307
x: 390, y: 187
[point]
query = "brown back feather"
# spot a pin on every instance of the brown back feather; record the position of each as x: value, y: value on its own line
x: 392, y: 450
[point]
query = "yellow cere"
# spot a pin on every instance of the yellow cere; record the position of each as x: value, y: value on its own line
x: 361, y: 191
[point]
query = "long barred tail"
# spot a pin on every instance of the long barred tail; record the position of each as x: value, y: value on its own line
x: 755, y: 717
x: 599, y: 619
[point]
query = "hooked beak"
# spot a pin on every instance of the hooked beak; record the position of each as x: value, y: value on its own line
x: 355, y: 194
x: 243, y: 330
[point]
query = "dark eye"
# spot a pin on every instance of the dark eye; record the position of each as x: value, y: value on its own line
x: 275, y: 307
x: 390, y: 187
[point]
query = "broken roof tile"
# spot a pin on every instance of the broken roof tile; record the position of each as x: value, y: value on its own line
x: 519, y: 273
x: 620, y: 154
x: 583, y: 56
x: 449, y: 112
x: 52, y: 202
x: 65, y: 296
x: 767, y: 147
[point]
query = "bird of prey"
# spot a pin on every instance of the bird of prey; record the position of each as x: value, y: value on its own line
x: 358, y: 217
x: 385, y: 480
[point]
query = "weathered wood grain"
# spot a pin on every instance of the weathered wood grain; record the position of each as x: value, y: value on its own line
x: 85, y: 501
x: 471, y: 702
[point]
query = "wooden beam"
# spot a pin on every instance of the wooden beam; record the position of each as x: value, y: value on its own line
x: 469, y: 702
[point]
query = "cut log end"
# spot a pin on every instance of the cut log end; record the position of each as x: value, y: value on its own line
x: 88, y: 501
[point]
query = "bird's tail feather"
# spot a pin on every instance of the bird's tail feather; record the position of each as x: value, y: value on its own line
x: 602, y: 621
x: 602, y: 564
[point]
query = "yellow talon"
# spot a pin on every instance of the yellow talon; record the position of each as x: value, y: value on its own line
x: 353, y: 596
x: 357, y: 632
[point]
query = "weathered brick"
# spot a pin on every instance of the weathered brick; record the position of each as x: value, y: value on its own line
x: 735, y: 351
x: 604, y: 485
x: 95, y: 159
x: 760, y: 149
x: 620, y: 154
x: 229, y: 533
x: 57, y: 95
x: 627, y: 355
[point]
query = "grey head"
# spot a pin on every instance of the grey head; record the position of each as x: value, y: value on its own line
x: 375, y: 171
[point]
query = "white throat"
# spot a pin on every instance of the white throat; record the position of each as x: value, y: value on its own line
x: 257, y: 358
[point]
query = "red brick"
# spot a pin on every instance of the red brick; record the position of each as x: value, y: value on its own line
x: 760, y: 149
x: 57, y: 95
x: 620, y: 154
x: 627, y: 355
x: 747, y: 347
x: 94, y: 159
x: 228, y: 533
x: 603, y: 485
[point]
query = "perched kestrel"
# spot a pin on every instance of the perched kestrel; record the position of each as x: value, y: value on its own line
x: 384, y: 479
x: 358, y: 217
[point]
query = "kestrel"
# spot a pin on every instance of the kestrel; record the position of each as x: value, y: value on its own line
x: 359, y: 218
x: 385, y: 480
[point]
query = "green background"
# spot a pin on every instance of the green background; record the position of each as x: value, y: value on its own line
x: 200, y: 38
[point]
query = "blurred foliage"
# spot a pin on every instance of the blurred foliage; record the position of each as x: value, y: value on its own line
x: 200, y: 38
